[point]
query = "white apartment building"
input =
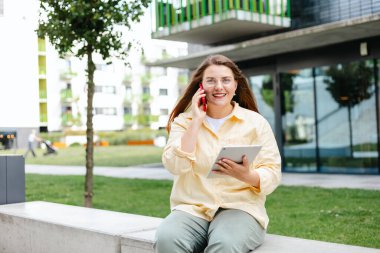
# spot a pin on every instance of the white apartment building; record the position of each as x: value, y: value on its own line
x: 132, y: 96
x: 41, y: 91
x: 19, y: 83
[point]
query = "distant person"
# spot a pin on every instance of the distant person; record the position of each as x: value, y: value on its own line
x: 32, y: 138
x: 225, y: 214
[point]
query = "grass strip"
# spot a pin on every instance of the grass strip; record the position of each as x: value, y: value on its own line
x: 347, y: 216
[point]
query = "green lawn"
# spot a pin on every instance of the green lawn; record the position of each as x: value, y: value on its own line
x: 336, y: 215
x: 113, y: 156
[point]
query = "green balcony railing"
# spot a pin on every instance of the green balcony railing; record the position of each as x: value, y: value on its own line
x: 66, y: 94
x: 67, y: 119
x: 42, y: 70
x: 173, y: 12
x: 43, y: 117
x: 41, y: 45
x: 67, y: 75
x: 129, y: 119
x: 43, y: 94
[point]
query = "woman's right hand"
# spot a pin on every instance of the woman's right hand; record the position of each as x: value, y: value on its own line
x: 196, y: 107
x: 188, y: 140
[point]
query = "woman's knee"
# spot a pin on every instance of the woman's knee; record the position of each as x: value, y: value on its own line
x: 232, y: 245
x: 234, y: 231
x: 165, y: 240
x: 177, y: 234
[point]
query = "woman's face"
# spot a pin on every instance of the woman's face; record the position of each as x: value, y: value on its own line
x: 219, y: 84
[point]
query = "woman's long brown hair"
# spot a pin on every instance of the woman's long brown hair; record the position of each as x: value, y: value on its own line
x: 244, y: 95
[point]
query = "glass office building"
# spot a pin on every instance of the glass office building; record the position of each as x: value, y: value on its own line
x: 313, y: 66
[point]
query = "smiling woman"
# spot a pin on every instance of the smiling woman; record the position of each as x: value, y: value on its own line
x: 205, y: 207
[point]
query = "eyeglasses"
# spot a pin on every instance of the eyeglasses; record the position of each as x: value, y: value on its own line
x: 212, y: 82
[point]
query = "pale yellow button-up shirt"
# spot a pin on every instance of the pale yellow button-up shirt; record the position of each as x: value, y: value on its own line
x: 195, y: 193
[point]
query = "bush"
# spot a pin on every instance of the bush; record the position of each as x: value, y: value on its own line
x: 122, y: 137
x: 52, y: 136
x: 113, y: 138
x: 75, y: 144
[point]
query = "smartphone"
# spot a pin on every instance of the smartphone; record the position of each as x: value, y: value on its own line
x: 203, y: 100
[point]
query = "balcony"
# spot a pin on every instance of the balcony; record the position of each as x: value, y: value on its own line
x: 67, y: 119
x: 43, y: 118
x: 128, y: 119
x: 41, y: 45
x: 67, y: 75
x: 66, y: 96
x: 43, y: 94
x: 210, y: 22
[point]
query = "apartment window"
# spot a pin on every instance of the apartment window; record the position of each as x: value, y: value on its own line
x: 104, y: 67
x: 105, y: 89
x: 66, y: 109
x: 128, y: 92
x: 1, y: 8
x: 164, y: 112
x: 146, y: 90
x: 127, y: 110
x: 146, y: 110
x: 163, y: 92
x: 109, y: 111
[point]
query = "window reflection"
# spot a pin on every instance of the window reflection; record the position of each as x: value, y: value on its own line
x: 262, y: 87
x: 347, y: 117
x: 297, y: 108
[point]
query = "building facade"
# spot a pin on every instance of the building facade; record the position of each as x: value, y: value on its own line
x: 313, y: 66
x: 19, y: 72
x: 42, y: 92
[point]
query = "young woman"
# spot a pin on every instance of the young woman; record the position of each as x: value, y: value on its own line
x: 221, y: 214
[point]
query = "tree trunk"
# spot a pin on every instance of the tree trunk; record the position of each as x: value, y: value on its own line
x: 88, y: 193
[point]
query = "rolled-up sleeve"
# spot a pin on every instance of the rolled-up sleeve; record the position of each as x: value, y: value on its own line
x: 175, y: 160
x: 268, y: 161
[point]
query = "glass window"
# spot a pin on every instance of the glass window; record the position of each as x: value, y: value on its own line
x: 127, y: 110
x: 146, y: 109
x: 128, y: 92
x: 347, y: 125
x: 163, y: 92
x: 146, y: 90
x: 110, y: 111
x: 164, y: 112
x: 105, y: 89
x: 298, y: 120
x: 262, y: 87
x: 109, y: 89
x: 1, y: 8
x: 104, y: 67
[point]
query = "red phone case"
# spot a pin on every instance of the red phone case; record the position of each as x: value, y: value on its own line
x: 203, y: 100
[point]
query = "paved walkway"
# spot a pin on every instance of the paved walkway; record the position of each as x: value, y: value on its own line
x: 156, y: 171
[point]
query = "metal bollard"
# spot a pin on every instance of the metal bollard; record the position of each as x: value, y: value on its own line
x: 12, y: 179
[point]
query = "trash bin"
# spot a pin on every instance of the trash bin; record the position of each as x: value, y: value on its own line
x: 12, y: 179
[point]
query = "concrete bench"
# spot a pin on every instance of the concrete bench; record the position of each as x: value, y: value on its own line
x: 44, y: 227
x: 143, y: 242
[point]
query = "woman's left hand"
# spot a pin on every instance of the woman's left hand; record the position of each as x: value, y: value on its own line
x: 238, y: 171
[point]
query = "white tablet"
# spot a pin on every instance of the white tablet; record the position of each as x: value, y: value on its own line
x: 236, y: 153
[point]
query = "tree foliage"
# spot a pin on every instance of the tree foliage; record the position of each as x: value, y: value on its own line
x: 349, y: 84
x: 82, y: 28
x: 73, y: 26
x: 286, y: 84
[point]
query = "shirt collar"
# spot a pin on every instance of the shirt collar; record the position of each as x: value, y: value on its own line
x: 237, y: 112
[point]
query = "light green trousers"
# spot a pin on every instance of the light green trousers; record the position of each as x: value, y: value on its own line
x: 231, y: 231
